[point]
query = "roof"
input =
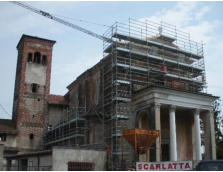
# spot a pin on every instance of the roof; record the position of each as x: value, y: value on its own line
x: 11, y: 149
x: 57, y: 100
x: 34, y: 37
x: 7, y: 126
x: 88, y: 72
x: 168, y: 88
x: 43, y: 152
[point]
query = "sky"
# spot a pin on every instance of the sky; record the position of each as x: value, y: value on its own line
x: 75, y: 51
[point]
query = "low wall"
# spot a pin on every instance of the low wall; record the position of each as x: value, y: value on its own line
x: 61, y: 157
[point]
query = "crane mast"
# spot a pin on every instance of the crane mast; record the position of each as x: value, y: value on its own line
x: 50, y: 16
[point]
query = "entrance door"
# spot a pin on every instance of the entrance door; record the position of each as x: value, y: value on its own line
x: 24, y: 164
x: 165, y: 152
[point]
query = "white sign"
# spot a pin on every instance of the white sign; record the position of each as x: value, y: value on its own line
x: 168, y: 165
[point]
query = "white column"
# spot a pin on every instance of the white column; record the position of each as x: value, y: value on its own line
x: 173, y: 140
x: 158, y: 127
x: 212, y: 130
x: 197, y: 134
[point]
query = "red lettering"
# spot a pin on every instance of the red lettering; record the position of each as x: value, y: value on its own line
x: 140, y: 166
x: 163, y: 167
x: 181, y: 165
x: 152, y: 167
x: 187, y: 165
x: 157, y: 166
x: 170, y: 166
x: 146, y: 166
x: 175, y: 165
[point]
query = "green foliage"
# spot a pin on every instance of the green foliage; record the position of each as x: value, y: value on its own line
x: 218, y: 122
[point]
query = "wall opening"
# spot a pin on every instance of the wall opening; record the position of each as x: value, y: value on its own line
x: 31, y: 136
x: 3, y: 136
x: 165, y: 152
x: 37, y: 57
x: 80, y: 166
x: 34, y: 87
x: 30, y: 57
x: 44, y: 60
x: 24, y: 165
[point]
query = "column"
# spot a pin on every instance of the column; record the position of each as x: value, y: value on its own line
x: 197, y: 131
x: 212, y: 130
x: 207, y: 134
x: 158, y: 127
x: 173, y: 141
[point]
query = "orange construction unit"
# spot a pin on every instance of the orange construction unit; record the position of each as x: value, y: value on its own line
x: 141, y: 139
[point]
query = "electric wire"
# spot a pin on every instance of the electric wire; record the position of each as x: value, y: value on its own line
x: 4, y: 110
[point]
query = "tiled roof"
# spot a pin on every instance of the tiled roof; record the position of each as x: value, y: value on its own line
x: 57, y: 100
x: 7, y: 126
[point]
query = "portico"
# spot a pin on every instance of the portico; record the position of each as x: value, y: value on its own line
x: 177, y: 115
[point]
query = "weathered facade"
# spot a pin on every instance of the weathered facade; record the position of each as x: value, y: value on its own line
x: 58, y: 159
x: 32, y: 86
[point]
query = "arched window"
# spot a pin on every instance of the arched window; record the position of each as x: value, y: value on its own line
x: 44, y: 59
x: 37, y: 57
x: 30, y: 57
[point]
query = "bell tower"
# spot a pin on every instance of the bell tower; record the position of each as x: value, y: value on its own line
x: 32, y: 86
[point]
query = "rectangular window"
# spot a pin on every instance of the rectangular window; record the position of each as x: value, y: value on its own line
x: 80, y: 166
x: 30, y: 56
x: 34, y: 88
x: 3, y: 136
x: 44, y: 60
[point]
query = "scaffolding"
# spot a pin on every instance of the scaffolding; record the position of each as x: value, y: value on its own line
x: 144, y: 54
x: 71, y: 129
x: 140, y: 55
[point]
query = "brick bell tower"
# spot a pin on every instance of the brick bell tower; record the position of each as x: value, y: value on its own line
x: 32, y: 86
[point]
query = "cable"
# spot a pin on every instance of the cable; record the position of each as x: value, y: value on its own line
x: 5, y: 110
x: 80, y: 20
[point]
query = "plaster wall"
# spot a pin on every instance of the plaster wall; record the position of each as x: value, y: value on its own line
x: 61, y: 156
x: 55, y: 114
x: 10, y: 141
x: 35, y: 73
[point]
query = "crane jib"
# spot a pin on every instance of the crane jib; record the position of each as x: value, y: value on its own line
x: 50, y: 16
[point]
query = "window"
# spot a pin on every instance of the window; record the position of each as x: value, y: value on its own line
x: 3, y: 137
x: 49, y: 127
x: 37, y: 57
x: 44, y: 60
x: 30, y: 56
x: 80, y: 166
x: 31, y: 136
x: 34, y: 88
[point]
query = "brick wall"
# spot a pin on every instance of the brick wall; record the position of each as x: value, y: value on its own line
x: 30, y: 107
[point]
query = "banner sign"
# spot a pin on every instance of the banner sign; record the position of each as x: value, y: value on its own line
x: 162, y: 166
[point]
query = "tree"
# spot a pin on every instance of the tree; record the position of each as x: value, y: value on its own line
x: 218, y: 121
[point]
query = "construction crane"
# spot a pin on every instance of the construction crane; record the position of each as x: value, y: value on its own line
x: 59, y: 20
